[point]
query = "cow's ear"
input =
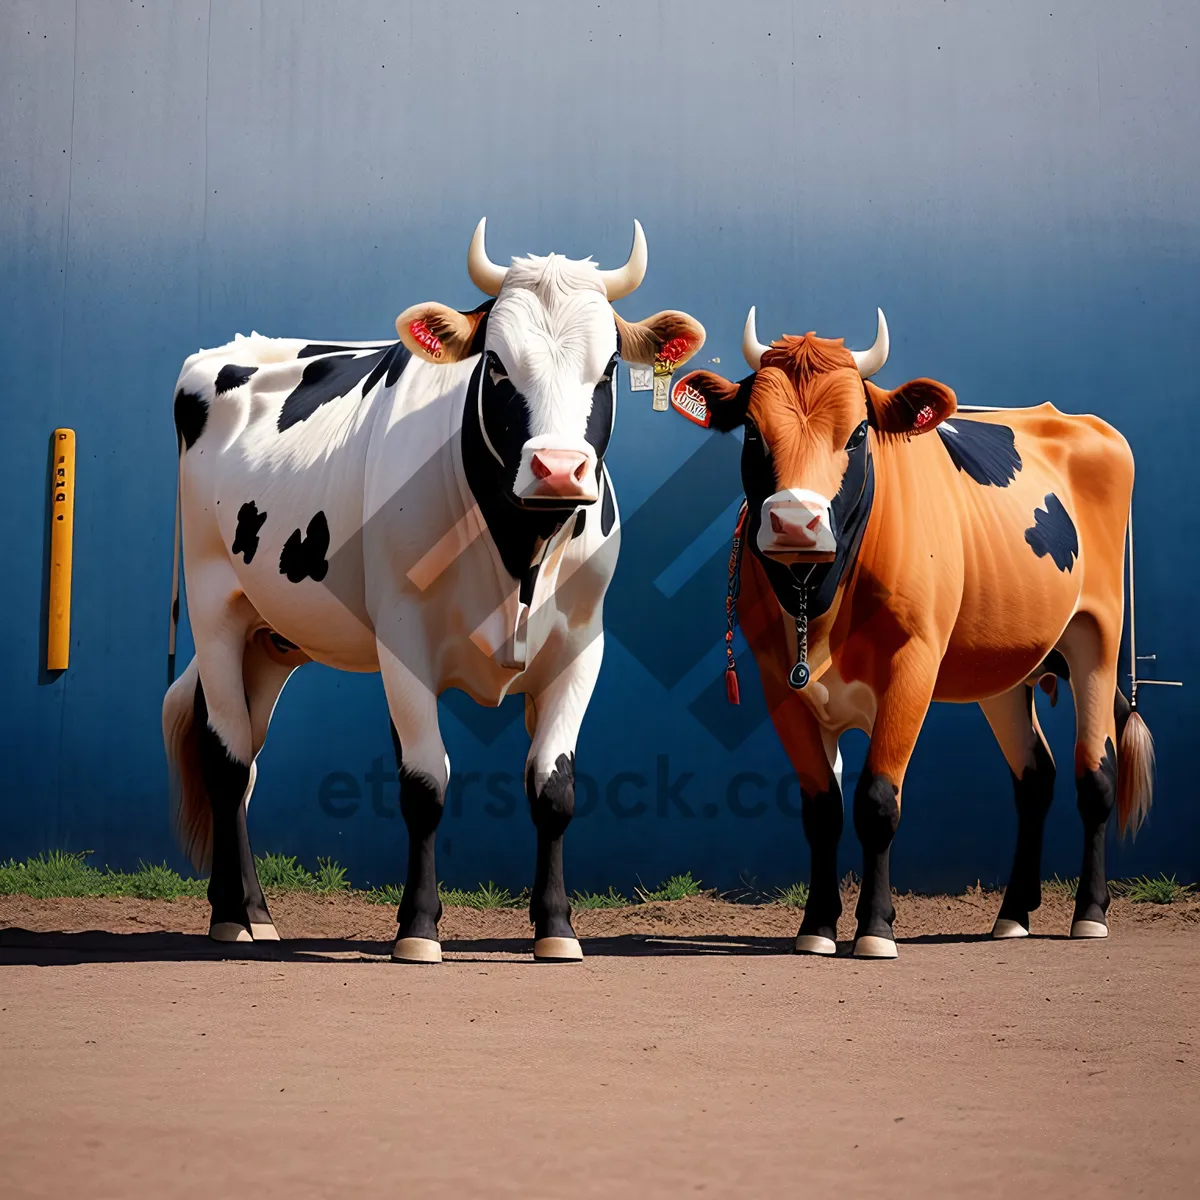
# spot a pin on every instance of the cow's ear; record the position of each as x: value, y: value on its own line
x: 442, y: 335
x: 708, y: 400
x: 666, y: 340
x: 915, y: 407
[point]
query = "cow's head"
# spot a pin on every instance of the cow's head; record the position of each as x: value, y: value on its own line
x: 550, y: 341
x: 810, y: 418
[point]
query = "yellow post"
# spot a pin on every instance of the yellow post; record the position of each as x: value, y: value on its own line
x: 62, y: 529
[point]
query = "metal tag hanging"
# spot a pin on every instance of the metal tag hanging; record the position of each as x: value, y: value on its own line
x: 662, y: 386
x: 800, y: 674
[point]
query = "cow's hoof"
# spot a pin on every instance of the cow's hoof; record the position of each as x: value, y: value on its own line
x: 263, y: 931
x: 557, y: 949
x: 417, y: 950
x: 1004, y: 928
x: 229, y: 931
x: 814, y: 943
x: 1089, y: 929
x: 869, y: 946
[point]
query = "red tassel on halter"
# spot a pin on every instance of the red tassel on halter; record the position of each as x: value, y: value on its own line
x: 731, y: 599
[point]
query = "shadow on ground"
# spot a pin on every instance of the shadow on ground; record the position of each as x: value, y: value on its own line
x: 32, y: 948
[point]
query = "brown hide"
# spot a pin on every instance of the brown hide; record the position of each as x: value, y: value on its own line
x: 947, y: 600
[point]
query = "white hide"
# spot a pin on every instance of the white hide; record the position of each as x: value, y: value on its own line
x: 553, y: 331
x: 415, y: 582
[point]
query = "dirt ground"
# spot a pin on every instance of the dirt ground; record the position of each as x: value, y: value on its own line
x: 690, y: 1053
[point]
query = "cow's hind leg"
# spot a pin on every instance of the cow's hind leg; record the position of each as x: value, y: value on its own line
x: 557, y: 713
x: 424, y: 771
x: 265, y: 669
x: 1091, y: 654
x: 1013, y: 719
x: 221, y: 720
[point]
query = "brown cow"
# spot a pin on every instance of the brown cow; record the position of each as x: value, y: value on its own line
x: 960, y: 560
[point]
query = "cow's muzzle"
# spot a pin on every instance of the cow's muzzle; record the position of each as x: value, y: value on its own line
x: 553, y: 474
x: 796, y: 527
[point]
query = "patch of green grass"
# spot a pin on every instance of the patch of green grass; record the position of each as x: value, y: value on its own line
x: 67, y: 873
x: 330, y: 877
x: 284, y: 873
x: 1063, y: 887
x: 1144, y: 890
x: 58, y: 873
x: 159, y: 882
x: 389, y: 893
x: 795, y: 895
x: 486, y: 895
x: 675, y: 888
x: 609, y: 899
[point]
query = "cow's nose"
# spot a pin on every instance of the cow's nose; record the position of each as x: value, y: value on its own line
x: 797, y: 523
x: 559, y: 472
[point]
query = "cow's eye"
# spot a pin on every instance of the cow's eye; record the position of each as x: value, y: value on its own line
x: 857, y: 437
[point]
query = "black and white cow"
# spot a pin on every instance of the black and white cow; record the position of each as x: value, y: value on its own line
x: 436, y: 509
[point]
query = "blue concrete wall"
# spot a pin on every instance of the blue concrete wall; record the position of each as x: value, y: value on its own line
x: 1016, y: 186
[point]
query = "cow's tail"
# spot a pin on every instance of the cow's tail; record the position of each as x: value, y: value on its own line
x: 174, y: 626
x: 191, y: 813
x: 1135, y: 749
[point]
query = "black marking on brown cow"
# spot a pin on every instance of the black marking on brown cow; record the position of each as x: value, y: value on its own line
x: 1095, y: 797
x: 231, y: 376
x: 304, y: 557
x: 1053, y: 533
x: 823, y: 818
x: 982, y: 450
x: 191, y: 415
x: 876, y: 816
x: 1033, y: 791
x: 608, y: 508
x: 333, y: 375
x: 245, y: 538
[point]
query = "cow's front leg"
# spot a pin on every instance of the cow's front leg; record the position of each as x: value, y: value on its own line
x: 901, y: 713
x: 424, y: 773
x: 550, y: 785
x: 814, y: 757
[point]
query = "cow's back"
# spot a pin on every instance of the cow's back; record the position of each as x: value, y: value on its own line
x: 983, y: 538
x: 272, y: 481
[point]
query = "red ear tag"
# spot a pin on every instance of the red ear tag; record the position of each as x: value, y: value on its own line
x: 923, y: 417
x: 689, y: 402
x: 425, y: 337
x: 673, y: 351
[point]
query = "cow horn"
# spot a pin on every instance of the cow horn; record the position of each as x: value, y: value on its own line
x: 485, y: 275
x: 752, y: 348
x: 624, y: 279
x: 870, y: 361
